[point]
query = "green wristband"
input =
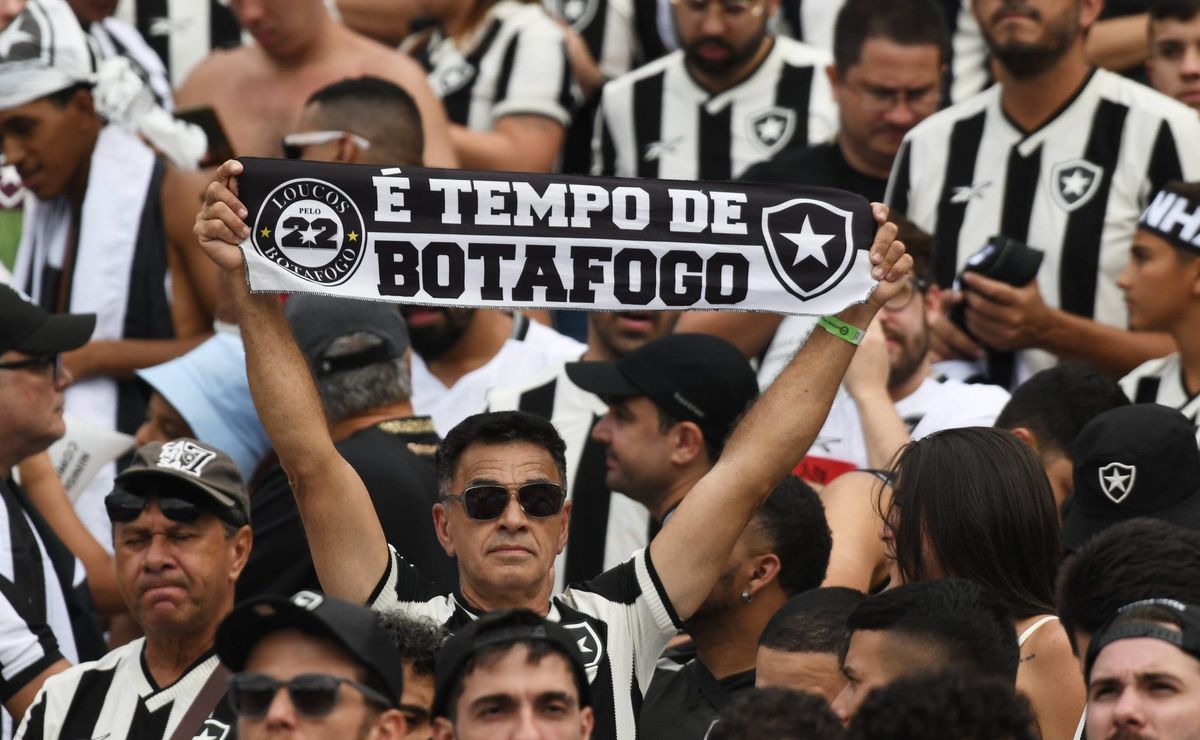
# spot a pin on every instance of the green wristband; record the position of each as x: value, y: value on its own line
x: 842, y: 330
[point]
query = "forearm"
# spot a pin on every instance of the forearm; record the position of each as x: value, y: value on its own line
x: 883, y: 430
x: 495, y: 150
x: 1119, y: 43
x: 46, y: 493
x: 118, y: 358
x: 1112, y: 350
x: 348, y: 545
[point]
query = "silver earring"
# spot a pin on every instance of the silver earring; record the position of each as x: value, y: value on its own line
x: 746, y: 596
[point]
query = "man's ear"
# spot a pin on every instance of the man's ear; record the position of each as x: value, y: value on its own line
x: 565, y: 520
x: 348, y: 151
x: 441, y: 525
x: 243, y: 540
x: 766, y: 569
x: 391, y: 725
x: 1027, y: 436
x: 687, y: 443
x: 835, y: 79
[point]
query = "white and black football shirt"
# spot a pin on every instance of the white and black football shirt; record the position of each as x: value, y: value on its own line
x: 1161, y: 381
x: 1073, y: 188
x: 622, y: 620
x: 620, y: 34
x: 658, y: 122
x: 116, y: 697
x: 515, y: 63
x: 115, y: 38
x: 813, y: 21
x: 182, y: 32
x: 591, y: 549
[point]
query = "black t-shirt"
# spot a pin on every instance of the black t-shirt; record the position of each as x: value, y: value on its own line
x: 395, y: 461
x: 822, y: 166
x: 683, y: 703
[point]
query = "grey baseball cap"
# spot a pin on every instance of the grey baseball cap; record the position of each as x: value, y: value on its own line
x: 317, y: 321
x: 194, y: 463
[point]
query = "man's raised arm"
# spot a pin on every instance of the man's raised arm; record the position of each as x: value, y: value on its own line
x: 348, y: 546
x: 691, y: 550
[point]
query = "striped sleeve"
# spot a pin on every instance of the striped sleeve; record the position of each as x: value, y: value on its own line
x: 535, y: 77
x: 27, y: 646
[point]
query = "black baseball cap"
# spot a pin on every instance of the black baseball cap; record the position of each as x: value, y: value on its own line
x: 503, y: 627
x: 196, y: 464
x: 317, y: 320
x: 694, y: 377
x: 1133, y: 461
x: 354, y: 628
x: 1181, y: 628
x: 27, y: 328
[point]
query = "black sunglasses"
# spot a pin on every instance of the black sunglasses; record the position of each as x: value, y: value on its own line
x: 486, y: 502
x: 36, y: 363
x: 125, y: 506
x: 314, y: 695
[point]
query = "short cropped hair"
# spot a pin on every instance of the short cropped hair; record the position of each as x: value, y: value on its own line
x: 970, y: 627
x: 812, y: 622
x: 945, y: 706
x: 906, y: 22
x: 793, y: 519
x: 348, y: 393
x: 1055, y: 404
x: 1134, y: 560
x: 1174, y: 10
x: 497, y: 428
x: 417, y: 639
x: 777, y: 714
x: 381, y: 112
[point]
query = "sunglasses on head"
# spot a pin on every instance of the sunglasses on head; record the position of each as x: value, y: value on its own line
x: 488, y: 501
x: 313, y: 695
x: 124, y: 506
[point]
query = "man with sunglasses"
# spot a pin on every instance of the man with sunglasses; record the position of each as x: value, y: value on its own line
x: 45, y: 614
x: 892, y: 393
x: 180, y: 519
x: 500, y: 476
x: 339, y: 671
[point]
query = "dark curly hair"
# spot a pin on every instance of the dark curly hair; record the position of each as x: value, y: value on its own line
x: 945, y: 706
x: 777, y: 714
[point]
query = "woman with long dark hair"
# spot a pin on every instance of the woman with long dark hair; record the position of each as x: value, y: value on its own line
x: 975, y: 503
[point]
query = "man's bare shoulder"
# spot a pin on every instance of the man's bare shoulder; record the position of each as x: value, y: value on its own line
x: 384, y: 61
x: 215, y: 72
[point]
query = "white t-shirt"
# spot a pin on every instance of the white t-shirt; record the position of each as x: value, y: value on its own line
x: 1161, y: 381
x: 938, y: 403
x: 517, y: 361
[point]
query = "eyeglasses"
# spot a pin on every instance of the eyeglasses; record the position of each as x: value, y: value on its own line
x: 294, y: 144
x: 314, y: 695
x: 125, y: 506
x: 901, y: 300
x: 878, y: 99
x: 728, y: 8
x: 487, y: 502
x: 38, y: 364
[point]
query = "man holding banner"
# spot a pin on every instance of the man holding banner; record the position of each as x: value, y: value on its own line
x: 505, y: 548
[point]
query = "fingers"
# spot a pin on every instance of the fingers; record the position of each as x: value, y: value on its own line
x: 882, y: 248
x: 982, y: 305
x: 993, y: 290
x: 880, y: 211
x: 227, y: 174
x: 950, y: 342
x: 217, y: 222
x: 218, y: 193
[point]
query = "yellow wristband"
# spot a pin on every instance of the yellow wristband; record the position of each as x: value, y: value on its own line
x: 842, y: 330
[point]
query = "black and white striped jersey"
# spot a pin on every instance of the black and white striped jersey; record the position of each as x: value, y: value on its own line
x: 116, y: 697
x: 182, y: 32
x: 115, y: 37
x: 1161, y: 381
x: 515, y: 63
x: 620, y: 34
x: 591, y: 548
x: 622, y: 619
x: 658, y: 122
x: 1073, y: 188
x: 813, y: 21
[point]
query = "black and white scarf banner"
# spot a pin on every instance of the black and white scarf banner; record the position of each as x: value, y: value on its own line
x: 507, y: 240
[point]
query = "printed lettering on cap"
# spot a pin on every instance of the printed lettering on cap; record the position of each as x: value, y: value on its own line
x: 184, y: 456
x: 307, y: 600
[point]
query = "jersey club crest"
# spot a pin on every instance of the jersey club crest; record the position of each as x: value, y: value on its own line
x: 1075, y: 182
x: 772, y: 129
